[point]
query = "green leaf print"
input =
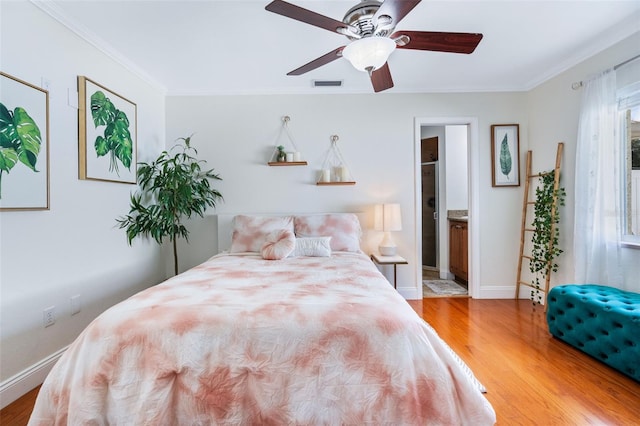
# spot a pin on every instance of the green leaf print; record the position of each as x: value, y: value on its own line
x: 505, y: 157
x: 20, y: 140
x: 116, y: 139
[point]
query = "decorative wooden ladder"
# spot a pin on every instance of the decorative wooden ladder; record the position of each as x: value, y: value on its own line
x: 524, y: 229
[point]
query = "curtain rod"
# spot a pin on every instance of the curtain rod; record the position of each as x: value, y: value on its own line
x: 626, y: 62
x: 577, y: 85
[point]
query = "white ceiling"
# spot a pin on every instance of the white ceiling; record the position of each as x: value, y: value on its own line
x: 237, y: 47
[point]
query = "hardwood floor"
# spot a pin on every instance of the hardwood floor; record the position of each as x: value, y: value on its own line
x: 18, y: 412
x: 531, y: 378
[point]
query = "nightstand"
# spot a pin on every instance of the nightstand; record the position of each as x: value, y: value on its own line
x: 389, y: 260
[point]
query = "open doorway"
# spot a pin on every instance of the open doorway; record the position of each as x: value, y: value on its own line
x: 451, y: 177
x: 444, y: 271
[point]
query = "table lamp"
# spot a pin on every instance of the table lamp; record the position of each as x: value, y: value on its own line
x: 387, y: 219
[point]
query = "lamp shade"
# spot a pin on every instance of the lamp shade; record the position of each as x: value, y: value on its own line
x: 388, y: 217
x: 369, y: 53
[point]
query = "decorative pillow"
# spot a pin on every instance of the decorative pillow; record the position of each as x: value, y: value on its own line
x: 313, y: 247
x: 250, y: 232
x: 343, y: 228
x: 279, y: 244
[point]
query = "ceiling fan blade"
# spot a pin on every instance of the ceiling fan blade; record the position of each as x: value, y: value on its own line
x: 317, y: 63
x: 396, y: 9
x: 304, y: 15
x: 439, y: 41
x: 381, y: 78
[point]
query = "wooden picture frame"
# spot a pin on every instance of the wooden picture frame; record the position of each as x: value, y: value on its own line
x: 24, y: 146
x: 107, y: 130
x: 505, y: 155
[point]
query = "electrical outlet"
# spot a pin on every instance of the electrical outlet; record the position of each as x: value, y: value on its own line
x: 49, y: 316
x: 75, y: 304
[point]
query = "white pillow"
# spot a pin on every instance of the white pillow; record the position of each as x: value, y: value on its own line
x: 250, y: 232
x: 313, y: 247
x: 343, y: 228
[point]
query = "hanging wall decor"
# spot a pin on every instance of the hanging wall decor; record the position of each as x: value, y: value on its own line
x: 505, y: 155
x: 283, y: 156
x: 334, y: 168
x: 107, y: 134
x: 24, y: 145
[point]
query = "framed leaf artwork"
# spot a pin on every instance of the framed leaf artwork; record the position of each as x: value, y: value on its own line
x: 505, y: 155
x: 24, y: 145
x: 107, y: 134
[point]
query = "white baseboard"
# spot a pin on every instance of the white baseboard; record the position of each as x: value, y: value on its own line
x: 410, y: 293
x: 16, y: 386
x: 497, y: 292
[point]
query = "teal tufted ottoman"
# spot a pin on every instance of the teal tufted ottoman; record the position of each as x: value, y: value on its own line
x: 601, y: 321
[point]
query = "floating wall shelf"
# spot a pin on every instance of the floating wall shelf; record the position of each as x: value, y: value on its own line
x: 335, y: 183
x: 287, y: 163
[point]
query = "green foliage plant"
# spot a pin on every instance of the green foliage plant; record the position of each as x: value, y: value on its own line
x: 545, y: 232
x: 172, y: 188
x: 116, y: 140
x: 20, y: 140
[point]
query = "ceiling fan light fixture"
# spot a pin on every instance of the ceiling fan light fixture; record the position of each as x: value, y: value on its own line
x: 370, y: 53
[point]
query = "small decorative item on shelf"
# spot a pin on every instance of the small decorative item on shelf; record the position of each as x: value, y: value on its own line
x: 334, y: 169
x: 282, y: 157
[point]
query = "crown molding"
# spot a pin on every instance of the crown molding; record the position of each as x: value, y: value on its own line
x: 52, y: 9
x: 601, y: 42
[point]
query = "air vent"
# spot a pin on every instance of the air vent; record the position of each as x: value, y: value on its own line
x: 327, y: 83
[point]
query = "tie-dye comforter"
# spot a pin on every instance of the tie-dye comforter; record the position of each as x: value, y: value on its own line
x: 240, y: 340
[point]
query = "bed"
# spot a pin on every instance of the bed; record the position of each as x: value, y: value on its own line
x: 293, y: 325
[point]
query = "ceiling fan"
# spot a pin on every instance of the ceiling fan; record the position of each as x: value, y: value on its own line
x: 370, y: 26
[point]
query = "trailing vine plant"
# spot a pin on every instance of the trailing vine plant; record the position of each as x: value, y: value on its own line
x: 545, y: 233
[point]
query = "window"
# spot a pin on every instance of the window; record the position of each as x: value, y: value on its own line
x: 628, y: 94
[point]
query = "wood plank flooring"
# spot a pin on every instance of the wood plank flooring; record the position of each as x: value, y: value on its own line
x: 18, y: 412
x: 531, y: 378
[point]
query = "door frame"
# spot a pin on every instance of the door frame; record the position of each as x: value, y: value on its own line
x: 474, y: 191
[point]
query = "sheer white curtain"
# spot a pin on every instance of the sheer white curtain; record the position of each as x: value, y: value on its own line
x: 598, y: 180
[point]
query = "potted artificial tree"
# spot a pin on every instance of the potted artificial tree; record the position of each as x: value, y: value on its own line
x: 172, y: 188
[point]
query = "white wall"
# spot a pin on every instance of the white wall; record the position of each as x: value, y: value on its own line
x: 457, y: 169
x: 554, y: 109
x: 75, y: 247
x: 431, y: 132
x: 236, y: 135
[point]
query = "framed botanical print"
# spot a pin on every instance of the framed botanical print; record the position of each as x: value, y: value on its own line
x: 107, y: 134
x: 505, y: 155
x: 24, y: 145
